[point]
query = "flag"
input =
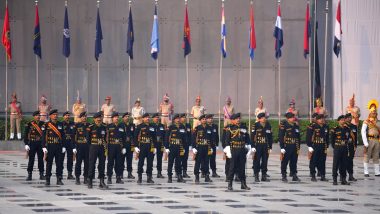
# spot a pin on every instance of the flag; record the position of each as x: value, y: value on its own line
x: 155, y: 40
x: 223, y: 33
x: 338, y: 32
x: 37, y: 36
x: 307, y: 33
x: 66, y: 35
x: 99, y: 37
x: 317, y: 86
x: 252, y: 35
x: 278, y: 34
x: 130, y: 35
x: 6, y: 37
x: 186, y: 35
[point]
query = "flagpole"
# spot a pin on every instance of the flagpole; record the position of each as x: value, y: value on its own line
x: 325, y: 63
x: 67, y: 77
x: 187, y: 82
x: 36, y: 73
x: 129, y: 71
x: 310, y: 83
x: 249, y: 93
x: 220, y: 82
x: 98, y: 2
x: 279, y: 82
x: 157, y: 84
x: 6, y: 94
x: 341, y: 64
x: 315, y: 43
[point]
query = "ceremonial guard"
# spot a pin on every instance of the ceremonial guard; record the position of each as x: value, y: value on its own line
x: 186, y: 145
x: 78, y: 109
x: 319, y: 109
x: 339, y: 141
x: 290, y: 139
x: 228, y: 110
x: 174, y: 143
x: 137, y: 112
x: 370, y: 135
x: 82, y: 147
x: 354, y: 111
x: 129, y: 129
x: 96, y: 137
x: 292, y: 109
x: 166, y: 110
x: 197, y: 111
x: 69, y: 129
x: 107, y: 109
x: 159, y: 130
x: 15, y: 117
x: 53, y: 146
x: 145, y: 142
x: 352, y: 145
x: 237, y: 143
x: 260, y: 108
x: 33, y: 145
x: 262, y: 140
x: 116, y: 149
x: 214, y: 143
x: 44, y: 109
x: 317, y: 140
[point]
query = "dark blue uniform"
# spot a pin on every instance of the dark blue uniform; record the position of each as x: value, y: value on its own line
x: 202, y: 143
x: 262, y: 140
x: 82, y: 147
x: 159, y: 130
x: 129, y: 129
x: 340, y: 136
x: 186, y: 146
x: 69, y: 129
x: 352, y: 144
x: 174, y: 141
x: 32, y: 138
x: 214, y: 142
x: 116, y: 142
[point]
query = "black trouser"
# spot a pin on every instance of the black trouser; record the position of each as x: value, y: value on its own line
x: 185, y: 158
x: 291, y: 158
x: 128, y: 157
x: 145, y: 153
x: 174, y: 158
x: 82, y: 156
x: 213, y: 159
x: 201, y: 160
x: 227, y: 166
x: 318, y: 160
x: 350, y: 161
x: 159, y: 155
x: 96, y: 152
x: 114, y: 160
x: 340, y: 161
x: 237, y: 163
x: 261, y: 159
x: 69, y: 155
x: 35, y: 148
x: 54, y: 153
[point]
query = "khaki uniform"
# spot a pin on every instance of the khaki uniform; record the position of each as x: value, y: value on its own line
x: 260, y: 110
x: 16, y: 116
x: 355, y: 112
x: 107, y: 112
x: 137, y: 113
x: 228, y: 111
x: 197, y: 111
x: 44, y: 111
x: 166, y: 110
x: 77, y: 110
x: 320, y: 110
x: 370, y: 136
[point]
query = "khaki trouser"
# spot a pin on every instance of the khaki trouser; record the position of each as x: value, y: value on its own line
x: 166, y: 121
x: 77, y: 119
x: 107, y: 120
x: 227, y: 122
x: 15, y: 119
x: 196, y: 123
x: 372, y: 152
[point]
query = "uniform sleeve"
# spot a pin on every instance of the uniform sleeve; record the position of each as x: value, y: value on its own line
x: 166, y: 138
x: 194, y: 138
x: 270, y: 137
x: 228, y: 137
x: 66, y: 143
x: 88, y: 134
x: 123, y: 136
x: 281, y: 135
x: 217, y: 135
x: 253, y: 134
x: 327, y: 137
x: 135, y: 136
x: 332, y: 138
x: 26, y: 134
x: 43, y: 136
x: 74, y: 140
x: 364, y: 134
x: 309, y: 136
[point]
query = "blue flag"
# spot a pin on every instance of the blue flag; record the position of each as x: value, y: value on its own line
x: 130, y: 36
x: 37, y: 36
x: 99, y: 38
x: 223, y: 33
x: 66, y: 36
x: 155, y: 39
x: 278, y: 34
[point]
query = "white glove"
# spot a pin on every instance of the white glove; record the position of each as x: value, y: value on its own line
x: 212, y: 151
x: 195, y: 151
x: 63, y: 150
x: 270, y: 151
x: 249, y: 153
x: 167, y: 151
x: 27, y: 148
x: 137, y: 150
x: 44, y: 150
x: 154, y: 151
x: 227, y: 149
x: 229, y: 155
x: 123, y: 151
x: 74, y: 151
x: 283, y: 151
x: 311, y: 149
x: 253, y: 150
x: 190, y: 148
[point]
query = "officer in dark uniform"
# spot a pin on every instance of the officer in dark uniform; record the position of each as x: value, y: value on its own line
x: 224, y: 145
x: 352, y: 145
x: 186, y: 145
x: 116, y: 149
x: 214, y: 142
x: 159, y: 130
x: 340, y: 135
x: 145, y: 142
x: 96, y: 136
x: 237, y: 142
x: 68, y: 127
x: 262, y: 140
x: 174, y: 146
x: 33, y: 145
x: 201, y: 147
x: 82, y: 147
x: 317, y: 140
x: 53, y: 146
x: 289, y: 138
x: 129, y: 129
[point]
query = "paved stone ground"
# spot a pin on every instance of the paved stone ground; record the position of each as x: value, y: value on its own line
x: 20, y: 196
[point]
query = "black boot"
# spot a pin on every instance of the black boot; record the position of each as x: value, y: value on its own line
x: 295, y: 178
x: 202, y: 175
x: 335, y: 180
x: 264, y: 177
x: 313, y: 178
x: 89, y: 183
x: 109, y: 180
x: 170, y: 180
x: 59, y: 181
x: 29, y: 177
x: 159, y: 175
x: 214, y: 174
x: 139, y: 180
x: 42, y: 177
x: 150, y: 180
x: 70, y: 176
x: 351, y: 178
x: 118, y: 180
x: 284, y: 179
x: 102, y: 185
x: 185, y: 175
x: 237, y: 179
x: 85, y: 180
x: 230, y: 185
x: 344, y: 181
x: 257, y: 178
x: 47, y: 183
x: 207, y: 178
x: 244, y: 185
x: 197, y: 179
x: 179, y: 178
x: 130, y: 176
x: 77, y: 180
x: 323, y: 178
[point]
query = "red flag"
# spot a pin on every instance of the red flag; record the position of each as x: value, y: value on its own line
x: 6, y: 37
x: 252, y: 34
x: 186, y: 35
x: 307, y: 33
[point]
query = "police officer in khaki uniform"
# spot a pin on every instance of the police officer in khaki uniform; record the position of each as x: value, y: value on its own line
x: 108, y: 109
x: 15, y: 117
x: 78, y: 108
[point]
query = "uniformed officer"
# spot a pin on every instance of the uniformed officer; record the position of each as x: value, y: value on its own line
x: 15, y: 117
x: 224, y: 145
x: 352, y: 144
x: 98, y: 149
x: 262, y: 140
x: 68, y: 127
x: 174, y: 147
x: 317, y: 140
x: 116, y: 149
x: 237, y: 142
x: 78, y: 109
x: 159, y: 130
x: 201, y: 148
x: 129, y: 129
x: 145, y: 142
x: 196, y: 111
x: 44, y: 109
x: 82, y: 147
x: 339, y: 141
x: 108, y: 109
x: 289, y: 138
x: 214, y: 142
x: 186, y: 145
x: 33, y: 145
x: 53, y: 146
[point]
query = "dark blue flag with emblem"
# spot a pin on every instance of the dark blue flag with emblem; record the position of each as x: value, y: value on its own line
x: 37, y: 36
x: 99, y: 37
x: 130, y: 35
x: 66, y: 35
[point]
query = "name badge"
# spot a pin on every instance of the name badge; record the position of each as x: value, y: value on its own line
x: 161, y: 128
x: 120, y: 129
x: 182, y: 130
x: 353, y: 130
x: 43, y: 128
x: 268, y: 131
x: 103, y: 132
x: 59, y: 127
x: 72, y: 127
x: 297, y: 130
x: 243, y: 130
x: 208, y: 132
x: 151, y: 129
x: 188, y: 130
x: 214, y: 130
x: 131, y: 128
x: 325, y: 130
